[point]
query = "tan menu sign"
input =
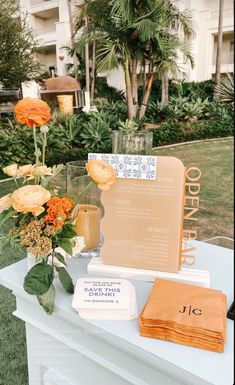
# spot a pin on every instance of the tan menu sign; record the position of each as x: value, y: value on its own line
x: 142, y: 225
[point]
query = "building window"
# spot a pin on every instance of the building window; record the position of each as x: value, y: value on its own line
x: 232, y: 46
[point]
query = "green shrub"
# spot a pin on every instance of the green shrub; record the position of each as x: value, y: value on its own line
x: 94, y: 134
x: 185, y: 108
x: 68, y: 139
x: 102, y: 89
x: 193, y: 90
x: 176, y: 132
x: 116, y: 111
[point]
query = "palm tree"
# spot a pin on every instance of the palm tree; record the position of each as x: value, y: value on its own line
x: 219, y: 49
x: 132, y: 32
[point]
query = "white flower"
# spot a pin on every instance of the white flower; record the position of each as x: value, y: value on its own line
x: 79, y: 245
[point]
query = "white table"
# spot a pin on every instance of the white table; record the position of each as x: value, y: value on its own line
x: 66, y: 350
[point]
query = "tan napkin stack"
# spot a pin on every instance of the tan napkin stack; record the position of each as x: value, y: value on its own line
x: 185, y: 314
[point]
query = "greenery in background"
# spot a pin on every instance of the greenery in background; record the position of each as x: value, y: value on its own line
x: 225, y: 89
x: 103, y: 90
x: 202, y: 90
x: 215, y: 160
x: 173, y: 132
x: 191, y: 114
x: 17, y: 47
x: 125, y: 34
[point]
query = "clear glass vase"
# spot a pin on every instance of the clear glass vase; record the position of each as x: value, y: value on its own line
x: 136, y: 143
x: 90, y: 210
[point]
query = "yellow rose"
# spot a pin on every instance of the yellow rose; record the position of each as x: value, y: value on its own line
x: 11, y: 170
x: 5, y: 203
x: 30, y: 199
x: 42, y: 171
x: 26, y: 170
x: 102, y: 173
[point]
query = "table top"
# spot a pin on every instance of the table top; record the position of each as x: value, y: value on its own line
x: 208, y: 367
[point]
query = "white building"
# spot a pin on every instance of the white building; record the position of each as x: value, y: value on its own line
x: 205, y: 14
x: 50, y: 20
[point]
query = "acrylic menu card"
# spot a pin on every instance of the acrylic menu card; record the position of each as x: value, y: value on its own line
x: 143, y: 221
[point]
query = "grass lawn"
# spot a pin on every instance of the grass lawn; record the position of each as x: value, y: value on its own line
x: 215, y: 217
x: 215, y: 160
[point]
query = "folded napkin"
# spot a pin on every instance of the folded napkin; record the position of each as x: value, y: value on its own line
x: 185, y: 314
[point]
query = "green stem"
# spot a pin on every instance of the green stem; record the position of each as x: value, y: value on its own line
x: 44, y: 148
x: 15, y: 180
x: 81, y: 194
x: 35, y: 144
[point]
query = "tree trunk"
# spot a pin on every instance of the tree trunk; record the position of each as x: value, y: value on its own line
x: 71, y: 24
x: 128, y: 91
x: 134, y: 85
x: 147, y: 93
x: 219, y: 48
x: 87, y: 62
x: 144, y: 77
x: 93, y: 73
x: 165, y: 87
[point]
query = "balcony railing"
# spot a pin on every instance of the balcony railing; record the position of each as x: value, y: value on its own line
x: 226, y: 13
x: 38, y: 2
x: 226, y: 58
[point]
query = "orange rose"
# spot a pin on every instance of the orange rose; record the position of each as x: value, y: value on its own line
x: 102, y: 173
x: 32, y: 112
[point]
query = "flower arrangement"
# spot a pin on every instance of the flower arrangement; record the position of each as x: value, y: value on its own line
x: 37, y: 218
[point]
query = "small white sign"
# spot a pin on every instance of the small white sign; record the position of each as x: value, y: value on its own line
x: 102, y: 294
x: 105, y: 298
x: 130, y: 166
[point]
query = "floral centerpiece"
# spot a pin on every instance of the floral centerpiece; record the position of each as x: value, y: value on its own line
x: 37, y: 218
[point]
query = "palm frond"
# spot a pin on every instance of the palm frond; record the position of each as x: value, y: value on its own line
x: 146, y: 29
x: 226, y: 89
x: 108, y: 56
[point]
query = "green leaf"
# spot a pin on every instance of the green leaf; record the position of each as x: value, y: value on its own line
x: 39, y: 279
x: 68, y: 231
x: 60, y: 258
x: 66, y: 245
x: 66, y: 280
x: 47, y: 300
x: 5, y: 215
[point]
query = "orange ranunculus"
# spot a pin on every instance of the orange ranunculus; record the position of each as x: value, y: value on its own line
x: 57, y: 212
x: 32, y: 112
x: 102, y: 173
x: 30, y: 199
x: 26, y: 170
x: 11, y: 170
x: 5, y: 203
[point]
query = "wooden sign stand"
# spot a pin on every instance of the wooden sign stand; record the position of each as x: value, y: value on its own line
x: 143, y: 223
